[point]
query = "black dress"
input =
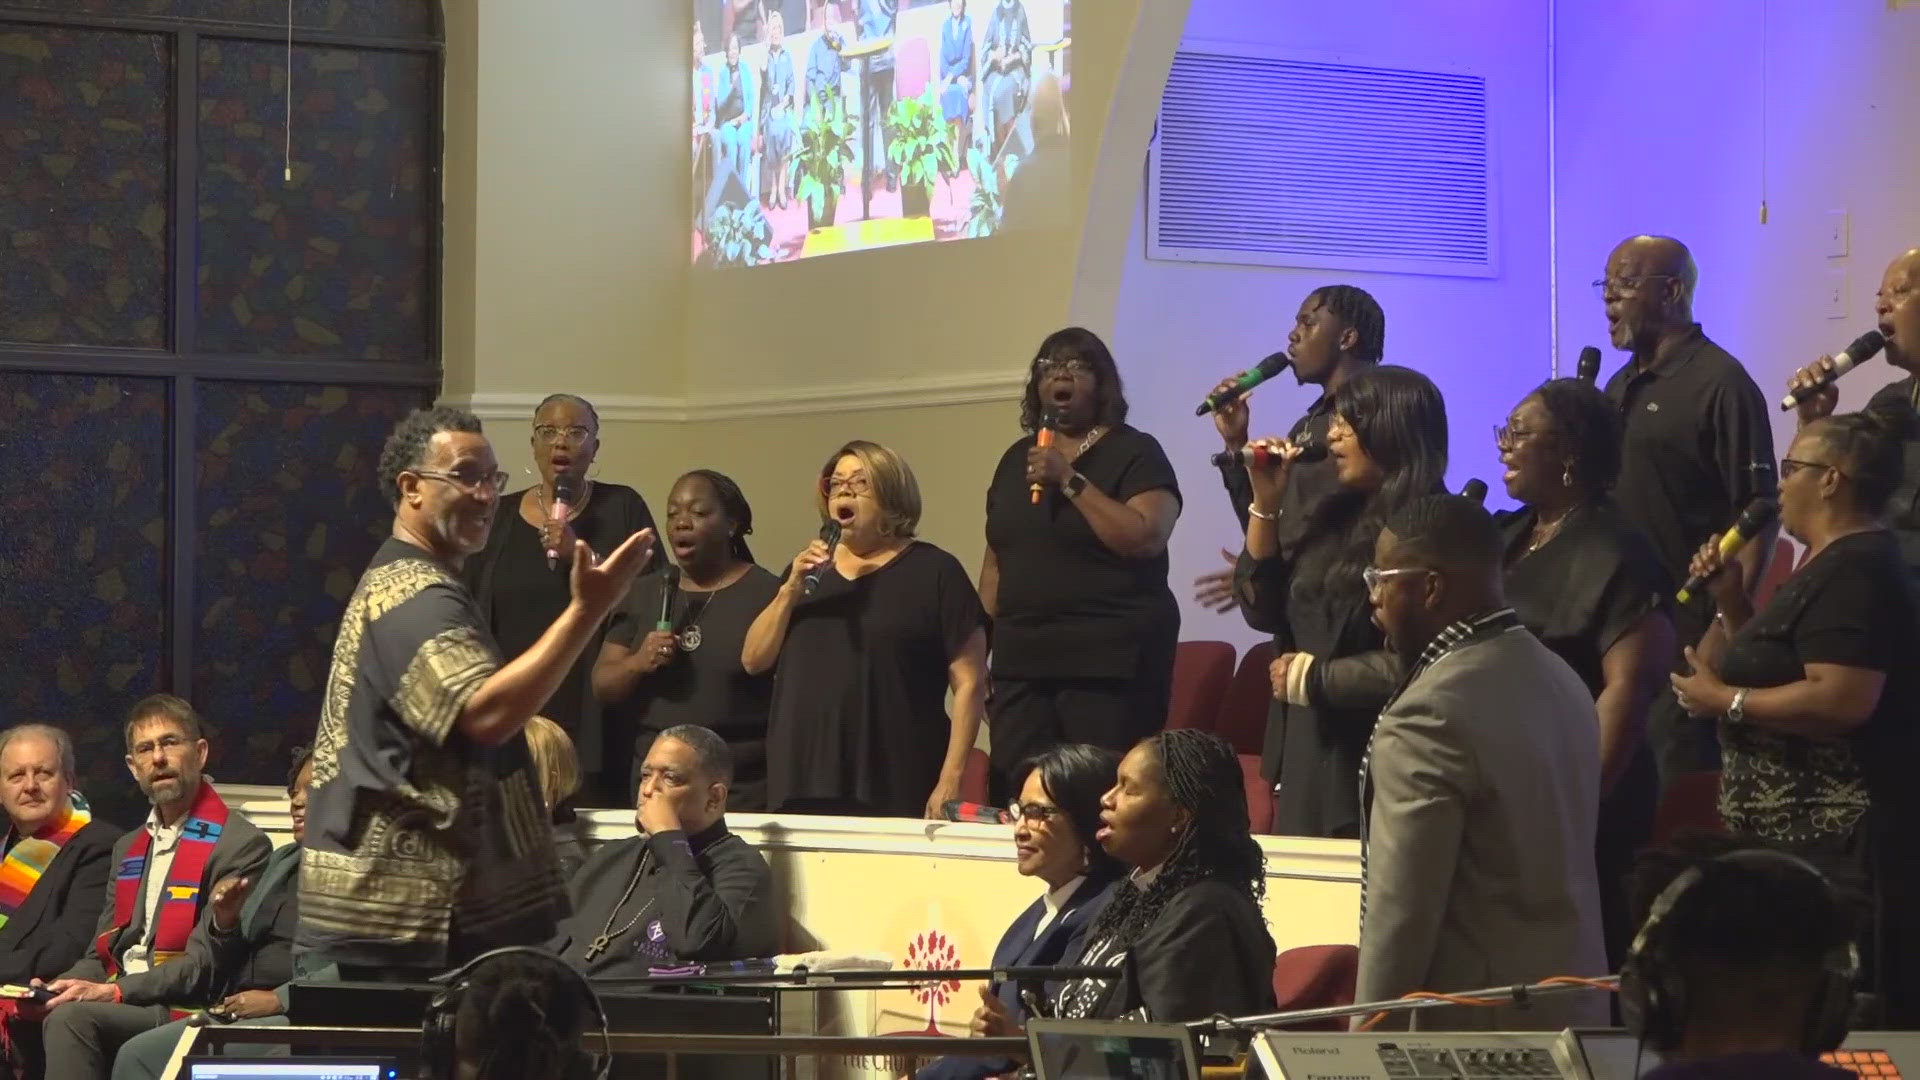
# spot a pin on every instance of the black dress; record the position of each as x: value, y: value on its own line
x: 1896, y: 403
x: 1206, y: 953
x: 704, y: 685
x: 1084, y: 639
x: 859, y: 721
x: 1848, y: 804
x: 520, y: 597
x: 1580, y: 593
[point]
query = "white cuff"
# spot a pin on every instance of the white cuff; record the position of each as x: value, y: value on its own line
x: 1297, y: 678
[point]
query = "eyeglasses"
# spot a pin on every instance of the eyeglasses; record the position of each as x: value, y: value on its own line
x: 167, y: 744
x: 1062, y: 367
x: 1506, y: 435
x: 571, y: 436
x: 465, y: 480
x: 1373, y: 577
x: 1606, y: 287
x: 1789, y: 466
x: 1036, y: 813
x: 851, y: 485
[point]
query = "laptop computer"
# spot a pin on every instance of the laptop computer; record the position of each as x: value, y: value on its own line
x: 228, y: 1068
x: 1097, y: 1049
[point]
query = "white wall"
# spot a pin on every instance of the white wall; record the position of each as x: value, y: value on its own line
x: 1664, y: 110
x: 1180, y: 327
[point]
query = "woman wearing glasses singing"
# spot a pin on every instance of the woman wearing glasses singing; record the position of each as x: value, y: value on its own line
x: 1075, y: 574
x: 520, y: 593
x: 865, y: 655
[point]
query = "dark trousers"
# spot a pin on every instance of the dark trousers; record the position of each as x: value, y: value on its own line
x: 82, y: 1037
x: 1031, y: 716
x: 876, y: 100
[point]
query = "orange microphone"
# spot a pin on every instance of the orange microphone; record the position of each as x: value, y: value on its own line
x: 1045, y: 437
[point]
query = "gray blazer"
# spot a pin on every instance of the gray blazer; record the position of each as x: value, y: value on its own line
x: 1486, y: 786
x: 241, y: 850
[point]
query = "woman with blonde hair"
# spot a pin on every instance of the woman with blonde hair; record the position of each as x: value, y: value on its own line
x: 558, y: 768
x: 867, y: 657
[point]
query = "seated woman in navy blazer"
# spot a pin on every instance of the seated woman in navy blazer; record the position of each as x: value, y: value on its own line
x: 1055, y: 819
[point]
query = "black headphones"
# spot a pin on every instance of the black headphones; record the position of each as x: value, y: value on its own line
x: 1653, y: 998
x: 438, y: 1055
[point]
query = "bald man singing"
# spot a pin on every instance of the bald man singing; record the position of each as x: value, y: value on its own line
x: 1897, y: 305
x: 1698, y: 448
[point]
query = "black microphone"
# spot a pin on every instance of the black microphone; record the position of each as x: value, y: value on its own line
x: 830, y: 536
x: 1864, y: 348
x: 669, y: 588
x: 566, y: 489
x: 1757, y: 516
x: 1312, y: 449
x: 1588, y: 368
x: 1245, y: 381
x: 1476, y: 489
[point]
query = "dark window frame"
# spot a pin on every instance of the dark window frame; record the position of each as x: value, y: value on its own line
x: 182, y: 363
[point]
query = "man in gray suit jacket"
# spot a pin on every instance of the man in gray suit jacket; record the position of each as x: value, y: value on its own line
x: 1481, y: 788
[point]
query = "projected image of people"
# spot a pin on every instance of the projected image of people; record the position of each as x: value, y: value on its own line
x: 829, y: 126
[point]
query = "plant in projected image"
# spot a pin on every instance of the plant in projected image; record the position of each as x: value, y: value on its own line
x: 739, y: 236
x: 820, y: 163
x: 985, y: 220
x: 918, y: 148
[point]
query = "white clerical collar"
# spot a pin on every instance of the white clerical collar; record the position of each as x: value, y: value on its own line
x: 1057, y: 898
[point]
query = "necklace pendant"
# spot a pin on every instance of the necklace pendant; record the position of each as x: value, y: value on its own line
x: 690, y: 639
x: 599, y: 946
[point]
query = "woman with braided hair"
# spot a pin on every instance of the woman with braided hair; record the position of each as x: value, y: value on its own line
x: 1185, y: 927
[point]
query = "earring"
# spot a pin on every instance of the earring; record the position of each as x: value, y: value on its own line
x: 1566, y: 476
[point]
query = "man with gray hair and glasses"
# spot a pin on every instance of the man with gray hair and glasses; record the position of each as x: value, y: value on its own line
x: 54, y: 877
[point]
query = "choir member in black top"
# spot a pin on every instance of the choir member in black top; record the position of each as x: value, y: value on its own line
x: 1816, y: 694
x: 1697, y: 448
x: 1590, y: 588
x: 859, y: 722
x: 520, y: 595
x: 1388, y: 443
x: 1897, y: 306
x: 1185, y: 926
x: 1084, y: 625
x: 652, y: 677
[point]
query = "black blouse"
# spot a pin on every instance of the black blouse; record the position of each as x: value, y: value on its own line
x: 1069, y: 607
x: 859, y: 716
x: 1896, y: 402
x: 704, y: 685
x: 1585, y: 588
x: 1852, y: 605
x: 520, y: 597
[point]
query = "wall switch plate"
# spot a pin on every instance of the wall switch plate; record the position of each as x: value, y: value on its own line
x: 1836, y: 286
x: 1836, y: 234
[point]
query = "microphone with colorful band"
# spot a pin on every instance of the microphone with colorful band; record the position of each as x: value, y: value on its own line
x: 830, y: 536
x: 669, y: 588
x: 961, y: 810
x: 1312, y: 448
x: 1245, y: 381
x: 1588, y: 369
x: 1044, y: 438
x: 1759, y: 514
x: 565, y: 490
x: 1864, y: 348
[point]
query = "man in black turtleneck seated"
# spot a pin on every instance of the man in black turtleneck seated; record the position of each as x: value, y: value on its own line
x: 683, y: 890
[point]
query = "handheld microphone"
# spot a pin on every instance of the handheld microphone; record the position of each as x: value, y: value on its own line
x: 1587, y: 370
x: 669, y: 588
x: 565, y: 490
x: 1757, y: 516
x: 960, y: 810
x: 1245, y: 381
x: 830, y: 536
x: 1475, y: 489
x: 1312, y: 449
x: 1864, y: 348
x: 1044, y: 439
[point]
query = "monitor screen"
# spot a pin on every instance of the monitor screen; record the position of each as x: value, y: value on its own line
x: 1072, y: 1050
x: 225, y: 1068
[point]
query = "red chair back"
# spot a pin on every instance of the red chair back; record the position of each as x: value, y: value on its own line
x: 1690, y: 804
x: 912, y: 67
x: 1201, y: 672
x: 1316, y: 977
x: 1243, y: 711
x: 1260, y: 807
x: 973, y: 777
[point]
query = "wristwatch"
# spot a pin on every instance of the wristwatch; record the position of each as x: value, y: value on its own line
x: 1737, y: 711
x: 1075, y: 485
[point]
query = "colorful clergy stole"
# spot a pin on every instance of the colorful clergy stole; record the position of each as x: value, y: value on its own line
x: 179, y: 905
x: 32, y: 855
